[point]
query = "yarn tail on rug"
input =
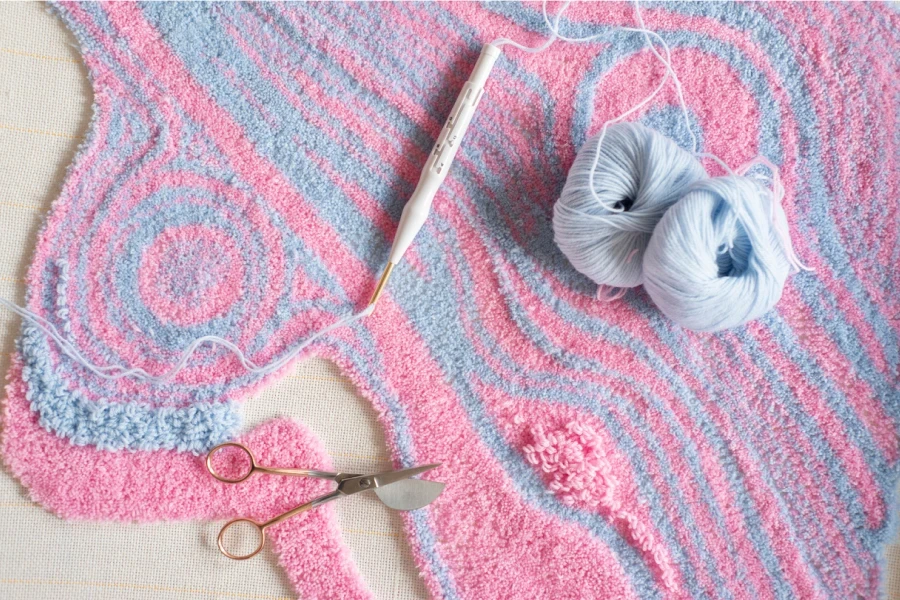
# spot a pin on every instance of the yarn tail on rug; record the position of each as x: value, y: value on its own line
x: 243, y: 175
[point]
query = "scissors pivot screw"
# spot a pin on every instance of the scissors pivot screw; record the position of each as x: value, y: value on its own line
x: 365, y: 483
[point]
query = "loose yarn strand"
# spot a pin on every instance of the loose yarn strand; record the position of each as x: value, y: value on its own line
x: 777, y: 192
x: 553, y: 27
x: 606, y: 292
x: 679, y: 89
x: 644, y: 177
x: 666, y: 62
x: 111, y: 372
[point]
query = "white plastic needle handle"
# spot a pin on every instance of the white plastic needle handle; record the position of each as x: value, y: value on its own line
x: 438, y: 164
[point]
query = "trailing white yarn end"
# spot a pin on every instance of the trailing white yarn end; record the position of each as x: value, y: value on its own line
x: 111, y: 372
x: 650, y: 37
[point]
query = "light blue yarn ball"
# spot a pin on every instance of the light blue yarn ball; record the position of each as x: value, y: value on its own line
x: 716, y: 260
x: 639, y: 170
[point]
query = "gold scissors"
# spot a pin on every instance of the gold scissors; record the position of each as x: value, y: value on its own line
x: 416, y: 493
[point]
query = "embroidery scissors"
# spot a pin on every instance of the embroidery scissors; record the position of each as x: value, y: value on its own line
x: 395, y: 489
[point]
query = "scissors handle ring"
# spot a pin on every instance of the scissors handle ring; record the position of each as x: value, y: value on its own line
x: 224, y: 479
x: 260, y: 532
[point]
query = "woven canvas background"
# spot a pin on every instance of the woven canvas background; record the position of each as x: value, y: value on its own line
x: 44, y: 110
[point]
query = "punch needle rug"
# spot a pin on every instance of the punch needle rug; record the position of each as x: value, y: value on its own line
x: 243, y: 176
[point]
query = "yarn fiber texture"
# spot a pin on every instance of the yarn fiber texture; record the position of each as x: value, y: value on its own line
x: 639, y: 174
x: 754, y: 466
x: 716, y: 260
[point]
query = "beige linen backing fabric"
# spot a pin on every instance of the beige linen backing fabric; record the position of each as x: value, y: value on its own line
x: 44, y: 110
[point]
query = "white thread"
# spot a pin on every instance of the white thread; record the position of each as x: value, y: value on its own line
x: 599, y: 257
x: 667, y: 63
x: 118, y: 371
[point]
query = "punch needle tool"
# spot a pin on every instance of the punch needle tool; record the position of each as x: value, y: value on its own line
x: 395, y: 489
x: 438, y: 164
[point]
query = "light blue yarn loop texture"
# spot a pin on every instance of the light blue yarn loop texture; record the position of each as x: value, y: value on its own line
x: 111, y: 425
x: 716, y: 259
x: 639, y: 174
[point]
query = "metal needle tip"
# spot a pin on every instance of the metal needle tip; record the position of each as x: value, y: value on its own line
x: 381, y: 283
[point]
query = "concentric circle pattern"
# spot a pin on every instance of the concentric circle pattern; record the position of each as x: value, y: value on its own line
x: 247, y: 165
x: 190, y: 275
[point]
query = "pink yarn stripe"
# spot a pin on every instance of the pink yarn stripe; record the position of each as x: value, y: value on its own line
x: 798, y: 453
x: 166, y: 485
x: 857, y: 164
x: 815, y: 340
x: 433, y: 411
x: 267, y: 181
x: 833, y: 430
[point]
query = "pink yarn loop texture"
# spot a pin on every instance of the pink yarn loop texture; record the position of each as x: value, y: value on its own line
x: 243, y: 175
x: 145, y: 486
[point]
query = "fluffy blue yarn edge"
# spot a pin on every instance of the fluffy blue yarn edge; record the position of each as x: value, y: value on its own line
x: 118, y: 426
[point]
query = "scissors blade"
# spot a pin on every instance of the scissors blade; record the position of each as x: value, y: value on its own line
x: 383, y: 479
x: 409, y: 494
x: 362, y: 483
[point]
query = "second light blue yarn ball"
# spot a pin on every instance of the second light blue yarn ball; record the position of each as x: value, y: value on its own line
x: 716, y: 259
